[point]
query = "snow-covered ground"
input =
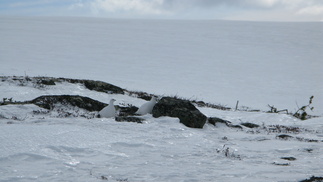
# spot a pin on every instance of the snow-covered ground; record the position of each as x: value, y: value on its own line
x: 214, y: 61
x: 39, y: 146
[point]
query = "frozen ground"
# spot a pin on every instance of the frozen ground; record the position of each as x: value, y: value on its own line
x: 214, y: 61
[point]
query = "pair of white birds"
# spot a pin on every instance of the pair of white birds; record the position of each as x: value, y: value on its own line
x: 110, y: 111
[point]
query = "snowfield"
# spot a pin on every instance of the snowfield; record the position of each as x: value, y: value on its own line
x: 42, y: 146
x: 215, y: 61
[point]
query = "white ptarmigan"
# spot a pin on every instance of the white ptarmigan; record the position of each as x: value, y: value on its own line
x: 108, y: 111
x: 147, y: 107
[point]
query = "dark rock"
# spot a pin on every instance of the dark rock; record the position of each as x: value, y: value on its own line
x: 284, y: 129
x: 200, y: 103
x: 236, y: 126
x: 284, y: 137
x: 127, y: 111
x: 215, y: 106
x: 141, y: 95
x: 250, y: 125
x: 308, y: 150
x: 214, y: 120
x: 129, y: 119
x: 301, y: 139
x: 49, y: 101
x: 102, y: 87
x: 281, y: 164
x: 306, y: 140
x: 47, y: 82
x: 145, y: 97
x: 313, y: 179
x: 289, y: 158
x: 96, y: 85
x: 184, y: 110
x: 104, y: 178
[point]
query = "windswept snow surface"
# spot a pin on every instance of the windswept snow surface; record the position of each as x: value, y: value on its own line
x: 41, y: 146
x: 257, y: 63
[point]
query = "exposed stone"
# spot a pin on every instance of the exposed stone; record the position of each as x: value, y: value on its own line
x: 215, y: 120
x: 281, y: 164
x: 48, y: 82
x: 284, y: 129
x: 96, y: 85
x: 309, y: 150
x: 127, y: 111
x: 129, y: 119
x: 313, y: 179
x: 141, y: 95
x: 289, y: 158
x: 102, y: 87
x: 301, y: 139
x: 284, y: 137
x: 182, y: 109
x: 87, y: 103
x: 250, y: 125
x: 215, y: 106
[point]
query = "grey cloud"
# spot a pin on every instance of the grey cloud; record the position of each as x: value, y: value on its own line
x: 188, y: 9
x: 248, y: 4
x: 204, y: 3
x: 286, y: 10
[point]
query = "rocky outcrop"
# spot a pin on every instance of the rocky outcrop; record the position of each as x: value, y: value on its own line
x: 214, y: 121
x: 313, y: 179
x: 40, y: 82
x: 96, y: 85
x: 102, y: 87
x: 187, y: 113
x: 46, y: 81
x: 49, y: 101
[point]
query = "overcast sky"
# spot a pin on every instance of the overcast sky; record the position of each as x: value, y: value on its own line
x: 254, y: 10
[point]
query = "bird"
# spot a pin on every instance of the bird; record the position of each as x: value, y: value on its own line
x: 108, y: 111
x: 147, y: 107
